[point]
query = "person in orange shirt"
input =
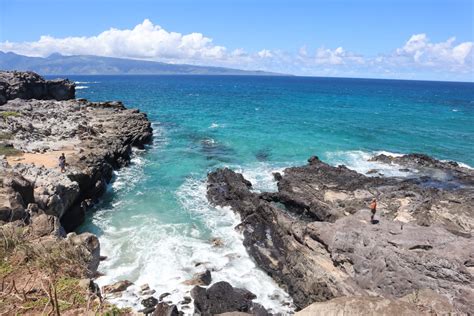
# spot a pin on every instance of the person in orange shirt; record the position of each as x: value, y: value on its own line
x: 373, y: 209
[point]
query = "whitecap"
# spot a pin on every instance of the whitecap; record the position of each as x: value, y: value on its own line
x: 164, y: 255
x: 215, y: 125
x: 81, y: 87
x: 360, y: 161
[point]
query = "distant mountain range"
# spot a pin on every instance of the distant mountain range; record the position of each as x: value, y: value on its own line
x: 57, y: 64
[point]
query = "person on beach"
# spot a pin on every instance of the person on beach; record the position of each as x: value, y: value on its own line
x: 373, y: 209
x: 62, y: 162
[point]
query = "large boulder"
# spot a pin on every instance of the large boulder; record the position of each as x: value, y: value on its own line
x: 222, y: 297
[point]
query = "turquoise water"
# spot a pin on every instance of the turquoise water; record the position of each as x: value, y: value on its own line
x: 154, y: 222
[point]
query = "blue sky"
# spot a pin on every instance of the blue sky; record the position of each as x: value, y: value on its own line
x: 326, y: 38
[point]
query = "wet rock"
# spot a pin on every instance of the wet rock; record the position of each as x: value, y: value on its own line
x: 148, y: 292
x: 202, y: 278
x: 162, y: 296
x: 217, y: 242
x: 119, y: 286
x: 372, y: 171
x: 277, y: 176
x: 186, y: 300
x: 221, y: 297
x: 163, y: 309
x: 149, y: 302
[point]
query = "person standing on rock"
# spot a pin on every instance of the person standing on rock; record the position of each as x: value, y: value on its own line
x: 62, y: 162
x: 373, y: 209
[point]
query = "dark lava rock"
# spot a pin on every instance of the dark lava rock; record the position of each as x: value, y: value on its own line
x: 221, y: 297
x: 29, y: 85
x: 202, y: 278
x: 162, y: 296
x: 321, y: 244
x: 150, y: 302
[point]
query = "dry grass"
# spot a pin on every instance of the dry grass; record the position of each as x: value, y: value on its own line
x: 42, y: 277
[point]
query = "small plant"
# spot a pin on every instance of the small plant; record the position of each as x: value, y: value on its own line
x: 9, y: 151
x: 5, y: 268
x: 6, y: 114
x: 5, y: 136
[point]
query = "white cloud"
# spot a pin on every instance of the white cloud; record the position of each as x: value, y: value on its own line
x: 423, y: 52
x: 265, y: 53
x: 151, y: 42
x: 145, y: 41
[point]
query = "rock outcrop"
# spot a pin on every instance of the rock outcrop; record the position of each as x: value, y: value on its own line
x: 97, y: 138
x: 221, y: 297
x: 29, y: 85
x: 40, y: 120
x: 315, y: 238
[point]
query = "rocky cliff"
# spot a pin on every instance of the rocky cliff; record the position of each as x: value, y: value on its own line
x: 29, y: 85
x: 39, y: 202
x: 314, y: 236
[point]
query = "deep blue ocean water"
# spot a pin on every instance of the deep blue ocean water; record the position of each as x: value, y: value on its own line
x: 155, y: 223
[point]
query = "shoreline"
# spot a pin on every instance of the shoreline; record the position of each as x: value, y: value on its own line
x: 39, y: 203
x: 307, y: 235
x: 301, y: 235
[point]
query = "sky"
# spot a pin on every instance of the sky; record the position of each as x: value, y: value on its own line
x: 401, y: 39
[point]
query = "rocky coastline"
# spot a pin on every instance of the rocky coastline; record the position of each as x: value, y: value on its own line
x: 40, y: 206
x: 315, y: 238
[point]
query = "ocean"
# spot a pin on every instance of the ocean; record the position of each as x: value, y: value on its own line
x: 155, y: 224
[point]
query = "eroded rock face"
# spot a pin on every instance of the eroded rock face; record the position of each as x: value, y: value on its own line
x: 90, y: 245
x: 315, y: 238
x: 29, y: 85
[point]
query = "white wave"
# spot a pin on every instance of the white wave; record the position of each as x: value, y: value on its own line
x: 359, y: 161
x: 215, y: 125
x: 82, y: 87
x: 455, y: 110
x: 149, y: 249
x: 461, y: 164
x: 85, y: 82
x: 261, y: 175
x: 231, y: 262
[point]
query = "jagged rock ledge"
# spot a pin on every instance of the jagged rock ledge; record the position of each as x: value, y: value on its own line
x: 39, y: 120
x: 315, y: 238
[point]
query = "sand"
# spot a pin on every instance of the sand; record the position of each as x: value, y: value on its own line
x: 48, y: 159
